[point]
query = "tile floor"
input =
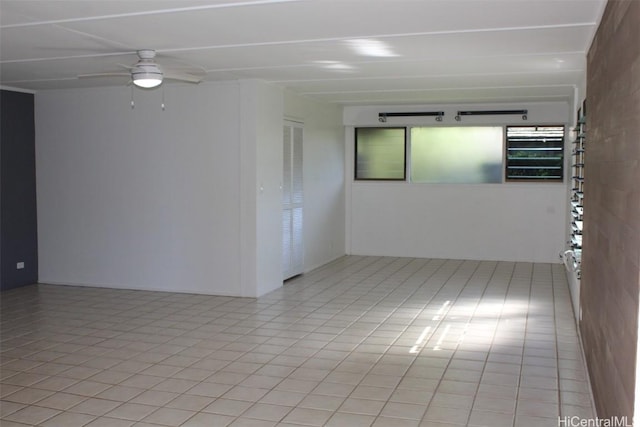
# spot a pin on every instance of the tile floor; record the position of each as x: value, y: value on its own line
x: 362, y: 341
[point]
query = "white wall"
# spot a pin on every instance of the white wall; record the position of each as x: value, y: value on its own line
x: 187, y: 199
x: 510, y: 221
x: 139, y: 198
x: 323, y: 158
x: 262, y: 107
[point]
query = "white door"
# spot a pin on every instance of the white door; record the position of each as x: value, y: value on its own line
x: 292, y: 201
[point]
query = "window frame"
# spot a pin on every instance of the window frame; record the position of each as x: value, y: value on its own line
x: 537, y: 179
x: 505, y: 147
x: 355, y: 154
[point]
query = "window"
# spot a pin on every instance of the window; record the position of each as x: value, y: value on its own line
x: 380, y: 154
x: 456, y: 154
x: 535, y: 153
x: 462, y: 154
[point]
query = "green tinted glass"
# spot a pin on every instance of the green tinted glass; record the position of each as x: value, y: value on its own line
x: 456, y: 154
x: 380, y: 153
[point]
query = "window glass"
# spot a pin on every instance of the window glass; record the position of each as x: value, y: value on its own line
x: 456, y: 154
x: 380, y: 153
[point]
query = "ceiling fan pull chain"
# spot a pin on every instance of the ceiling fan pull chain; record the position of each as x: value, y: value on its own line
x: 132, y: 103
x: 162, y: 105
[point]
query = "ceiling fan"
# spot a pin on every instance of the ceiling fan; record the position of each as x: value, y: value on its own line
x: 147, y: 74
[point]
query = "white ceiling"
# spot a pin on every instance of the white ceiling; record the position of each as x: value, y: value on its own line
x: 429, y: 51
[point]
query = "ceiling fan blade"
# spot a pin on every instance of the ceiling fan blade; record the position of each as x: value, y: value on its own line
x: 189, y: 78
x: 106, y: 74
x: 147, y: 64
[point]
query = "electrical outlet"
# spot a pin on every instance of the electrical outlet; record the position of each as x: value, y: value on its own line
x: 20, y: 265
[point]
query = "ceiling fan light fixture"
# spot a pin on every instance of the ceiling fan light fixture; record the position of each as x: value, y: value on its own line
x: 147, y: 79
x: 146, y: 73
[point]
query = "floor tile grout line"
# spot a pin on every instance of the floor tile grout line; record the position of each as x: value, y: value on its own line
x: 479, y: 299
x: 524, y: 347
x: 557, y: 353
x: 443, y: 316
x: 498, y: 323
x: 499, y: 316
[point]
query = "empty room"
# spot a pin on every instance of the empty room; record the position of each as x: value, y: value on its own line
x: 319, y: 213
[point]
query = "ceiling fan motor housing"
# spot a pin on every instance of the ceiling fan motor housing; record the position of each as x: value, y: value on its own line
x: 146, y: 73
x: 146, y: 53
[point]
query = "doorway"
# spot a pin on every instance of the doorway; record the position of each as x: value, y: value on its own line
x: 292, y: 201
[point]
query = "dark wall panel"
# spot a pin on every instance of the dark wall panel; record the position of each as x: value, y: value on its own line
x: 18, y: 214
x: 611, y: 245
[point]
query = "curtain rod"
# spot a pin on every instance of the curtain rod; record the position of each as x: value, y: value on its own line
x: 382, y: 117
x: 523, y: 113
